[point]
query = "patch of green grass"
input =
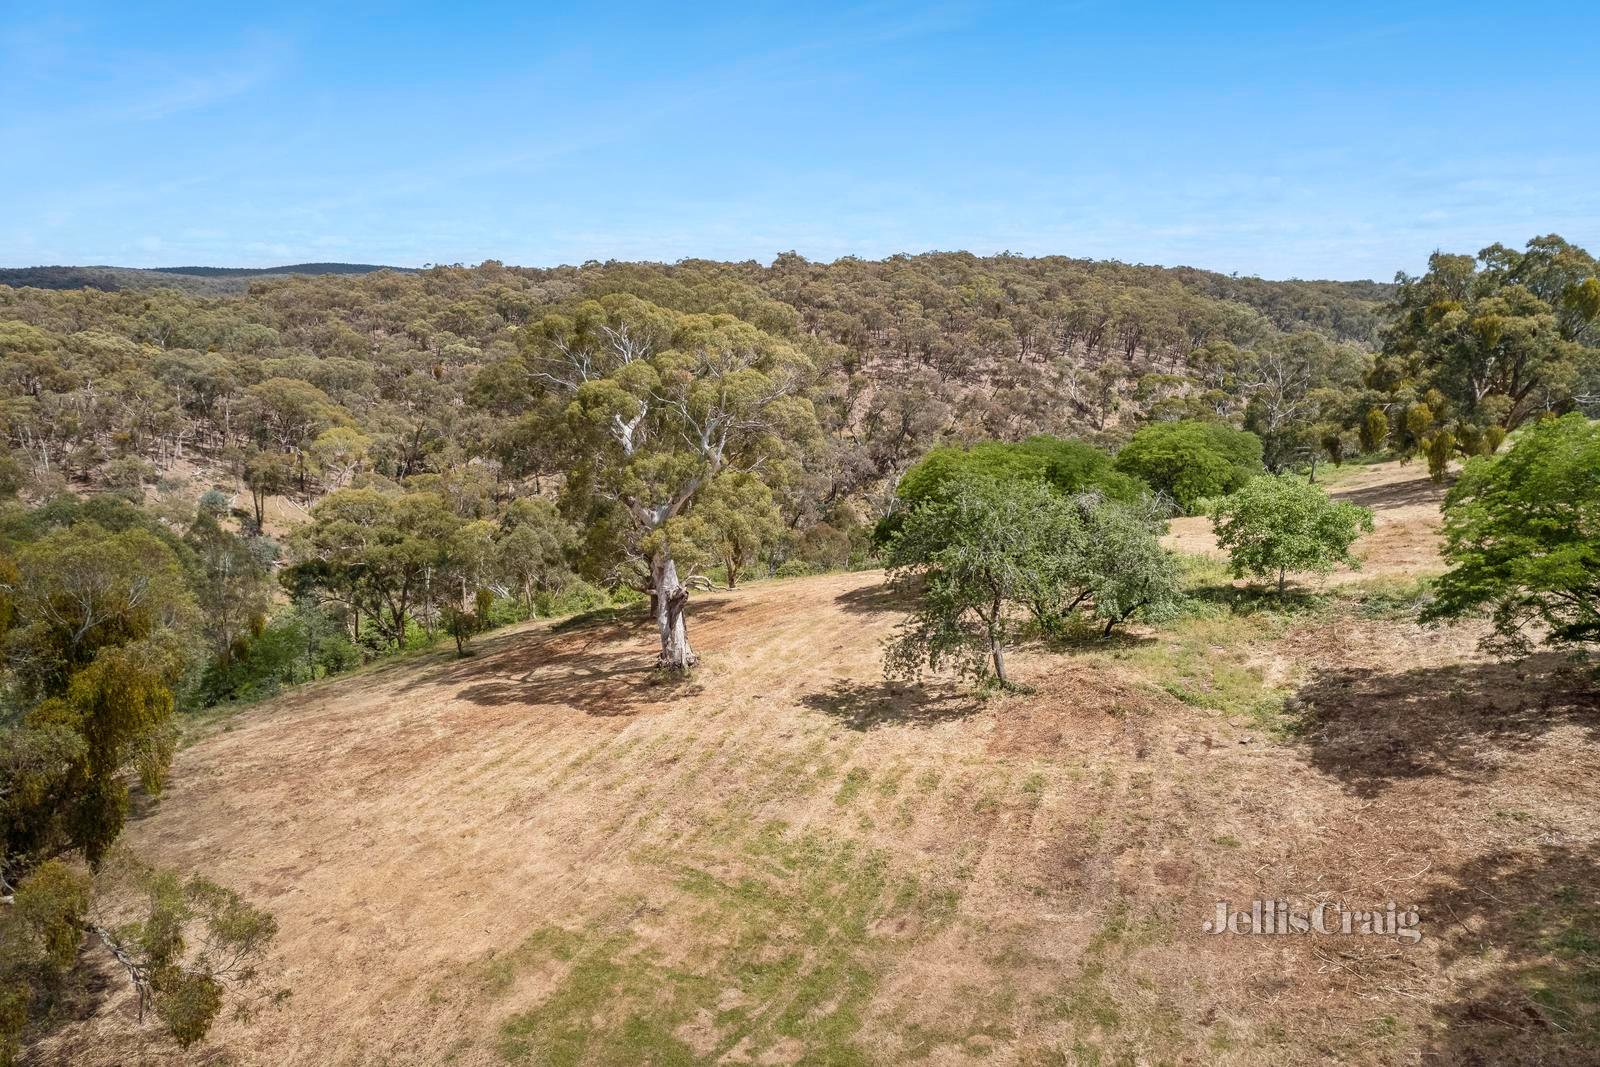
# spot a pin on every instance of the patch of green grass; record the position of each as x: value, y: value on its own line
x: 1127, y: 1027
x: 791, y: 953
x: 889, y: 781
x: 1387, y: 597
x: 1202, y: 662
x: 855, y: 780
x: 1566, y: 982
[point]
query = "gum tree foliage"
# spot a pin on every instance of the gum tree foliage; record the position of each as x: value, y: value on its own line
x: 40, y: 932
x: 230, y: 585
x: 735, y: 521
x: 1189, y: 460
x: 656, y: 405
x: 1294, y: 383
x: 1374, y: 430
x: 1280, y: 523
x: 96, y: 648
x: 1522, y: 535
x: 383, y: 555
x: 95, y: 624
x: 1503, y: 335
x: 532, y: 549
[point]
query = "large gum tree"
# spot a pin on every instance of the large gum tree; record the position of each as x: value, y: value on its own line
x: 655, y: 404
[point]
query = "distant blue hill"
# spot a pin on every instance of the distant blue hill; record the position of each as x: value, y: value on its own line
x: 201, y: 280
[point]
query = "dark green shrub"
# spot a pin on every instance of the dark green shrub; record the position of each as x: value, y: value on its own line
x: 1189, y: 460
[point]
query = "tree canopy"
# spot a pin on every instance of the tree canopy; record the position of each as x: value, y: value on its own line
x: 1280, y: 523
x: 1190, y: 460
x: 1522, y: 535
x: 1501, y: 336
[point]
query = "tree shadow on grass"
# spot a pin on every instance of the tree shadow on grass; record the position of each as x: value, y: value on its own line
x: 866, y: 705
x: 602, y: 665
x: 1522, y: 930
x: 1371, y: 729
x: 1091, y: 638
x: 1418, y: 490
x: 877, y: 599
x: 1252, y: 599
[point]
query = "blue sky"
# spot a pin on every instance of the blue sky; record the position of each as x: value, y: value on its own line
x: 1286, y: 140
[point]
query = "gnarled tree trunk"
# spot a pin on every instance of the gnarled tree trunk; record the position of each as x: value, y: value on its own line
x: 669, y: 599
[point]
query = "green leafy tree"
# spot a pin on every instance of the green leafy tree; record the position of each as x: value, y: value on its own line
x: 1190, y: 460
x: 736, y: 520
x: 533, y: 548
x: 1502, y: 335
x: 381, y: 554
x: 1068, y: 466
x: 195, y: 943
x: 1522, y: 535
x: 98, y: 626
x: 41, y: 929
x: 1122, y: 565
x: 1439, y: 446
x: 1279, y: 523
x: 230, y: 585
x: 1374, y: 430
x: 986, y: 546
x: 266, y: 474
x: 338, y: 453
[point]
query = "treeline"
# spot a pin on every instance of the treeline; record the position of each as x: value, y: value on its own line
x: 653, y: 418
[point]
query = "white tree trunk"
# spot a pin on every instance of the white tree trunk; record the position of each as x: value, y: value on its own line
x: 671, y: 597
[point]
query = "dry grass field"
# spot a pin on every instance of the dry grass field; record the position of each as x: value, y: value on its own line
x: 542, y: 854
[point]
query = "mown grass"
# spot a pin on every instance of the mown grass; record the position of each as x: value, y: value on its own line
x: 1211, y: 656
x: 1117, y: 1015
x: 786, y: 955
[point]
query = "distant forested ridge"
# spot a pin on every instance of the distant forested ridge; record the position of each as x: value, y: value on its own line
x: 353, y: 376
x: 198, y: 280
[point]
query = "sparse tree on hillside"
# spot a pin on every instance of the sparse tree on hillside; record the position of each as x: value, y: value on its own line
x: 1279, y: 523
x: 658, y: 405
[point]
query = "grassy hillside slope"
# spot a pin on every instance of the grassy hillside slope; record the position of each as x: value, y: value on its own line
x: 541, y: 854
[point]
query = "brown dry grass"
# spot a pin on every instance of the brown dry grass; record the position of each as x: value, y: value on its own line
x: 543, y: 854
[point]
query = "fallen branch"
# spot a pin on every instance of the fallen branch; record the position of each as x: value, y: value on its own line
x: 135, y: 970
